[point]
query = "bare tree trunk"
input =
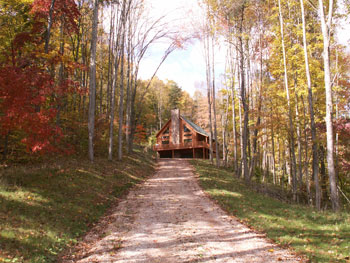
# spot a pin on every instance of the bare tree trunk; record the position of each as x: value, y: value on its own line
x: 208, y: 77
x: 291, y: 126
x: 49, y: 25
x: 244, y: 136
x: 337, y: 118
x: 256, y: 130
x: 128, y: 87
x: 300, y: 163
x: 326, y: 30
x: 273, y: 155
x: 234, y: 129
x: 121, y: 103
x: 114, y: 86
x: 210, y: 126
x: 111, y: 114
x: 110, y: 59
x: 60, y: 97
x: 312, y: 115
x: 75, y: 52
x: 214, y: 103
x: 241, y: 135
x: 233, y: 102
x: 101, y: 81
x: 306, y: 162
x: 282, y: 161
x: 160, y: 108
x: 92, y: 94
x: 224, y: 128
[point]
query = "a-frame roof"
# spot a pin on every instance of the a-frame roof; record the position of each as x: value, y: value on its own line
x: 193, y: 125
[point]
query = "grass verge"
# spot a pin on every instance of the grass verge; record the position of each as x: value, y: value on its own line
x: 321, y: 236
x: 46, y: 208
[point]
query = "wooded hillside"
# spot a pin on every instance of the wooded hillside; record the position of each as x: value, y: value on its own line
x: 69, y: 84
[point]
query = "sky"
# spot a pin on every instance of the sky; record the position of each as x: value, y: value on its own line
x: 186, y: 66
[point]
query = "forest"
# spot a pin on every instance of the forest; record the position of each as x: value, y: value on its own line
x: 78, y: 125
x: 70, y: 85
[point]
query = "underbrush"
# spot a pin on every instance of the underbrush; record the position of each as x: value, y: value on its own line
x: 46, y: 207
x: 321, y: 236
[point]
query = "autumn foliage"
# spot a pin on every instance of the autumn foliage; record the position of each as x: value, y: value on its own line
x: 30, y: 94
x: 342, y: 128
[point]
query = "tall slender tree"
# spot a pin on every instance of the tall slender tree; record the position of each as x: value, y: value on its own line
x: 312, y: 114
x: 92, y: 89
x: 291, y: 125
x: 326, y: 25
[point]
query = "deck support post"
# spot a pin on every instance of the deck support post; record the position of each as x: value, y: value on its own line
x: 203, y: 153
x: 172, y: 153
x: 194, y: 153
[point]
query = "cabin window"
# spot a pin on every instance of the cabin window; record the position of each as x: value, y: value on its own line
x: 165, y: 142
x: 187, y: 140
x: 165, y: 137
x: 186, y: 129
x: 166, y: 131
x: 188, y: 135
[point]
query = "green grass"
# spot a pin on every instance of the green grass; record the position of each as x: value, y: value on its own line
x: 46, y: 208
x: 321, y: 236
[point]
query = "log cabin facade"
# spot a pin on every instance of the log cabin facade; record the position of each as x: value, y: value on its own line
x: 181, y: 138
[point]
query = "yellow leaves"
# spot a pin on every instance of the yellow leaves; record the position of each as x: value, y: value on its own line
x: 271, y: 250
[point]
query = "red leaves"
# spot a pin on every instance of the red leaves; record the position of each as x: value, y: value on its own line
x: 342, y: 127
x: 62, y: 8
x: 21, y: 39
x: 24, y: 95
x: 29, y: 93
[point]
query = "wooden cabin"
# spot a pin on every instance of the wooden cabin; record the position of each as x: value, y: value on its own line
x: 181, y: 138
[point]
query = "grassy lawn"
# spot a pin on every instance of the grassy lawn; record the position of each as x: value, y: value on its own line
x: 321, y: 236
x: 47, y: 207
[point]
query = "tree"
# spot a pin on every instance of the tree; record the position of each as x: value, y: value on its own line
x: 291, y: 125
x: 92, y: 92
x: 326, y: 25
x: 175, y: 94
x: 312, y: 114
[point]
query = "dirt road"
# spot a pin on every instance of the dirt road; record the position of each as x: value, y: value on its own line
x: 170, y: 219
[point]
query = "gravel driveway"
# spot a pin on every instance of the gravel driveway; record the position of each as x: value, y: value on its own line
x: 169, y: 219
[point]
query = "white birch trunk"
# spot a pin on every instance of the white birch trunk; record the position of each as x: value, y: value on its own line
x: 326, y: 30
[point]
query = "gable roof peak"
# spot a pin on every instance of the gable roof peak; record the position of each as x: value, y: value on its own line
x: 195, y: 126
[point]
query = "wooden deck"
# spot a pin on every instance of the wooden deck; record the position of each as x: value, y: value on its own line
x: 182, y: 146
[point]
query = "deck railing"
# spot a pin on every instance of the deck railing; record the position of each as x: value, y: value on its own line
x: 187, y: 145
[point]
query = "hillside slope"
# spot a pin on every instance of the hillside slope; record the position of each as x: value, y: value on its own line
x: 322, y: 236
x: 46, y: 208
